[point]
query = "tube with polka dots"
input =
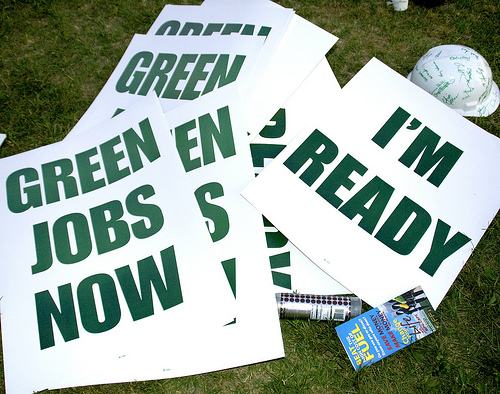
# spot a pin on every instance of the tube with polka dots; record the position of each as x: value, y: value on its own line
x: 317, y: 307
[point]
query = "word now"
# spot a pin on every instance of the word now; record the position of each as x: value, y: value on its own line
x: 139, y: 299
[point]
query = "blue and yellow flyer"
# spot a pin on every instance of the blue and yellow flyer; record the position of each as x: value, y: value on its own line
x: 388, y: 328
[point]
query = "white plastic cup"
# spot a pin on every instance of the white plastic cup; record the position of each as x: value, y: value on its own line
x: 399, y: 5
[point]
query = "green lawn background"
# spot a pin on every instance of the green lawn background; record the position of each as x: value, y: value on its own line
x: 55, y: 56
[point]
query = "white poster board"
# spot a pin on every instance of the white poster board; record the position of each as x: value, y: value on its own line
x: 177, y: 68
x: 266, y: 28
x: 389, y: 190
x: 210, y: 135
x: 211, y: 140
x: 109, y: 269
x: 292, y: 271
x: 303, y: 46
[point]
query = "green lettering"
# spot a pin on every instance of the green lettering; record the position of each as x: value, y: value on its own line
x: 229, y: 267
x: 340, y: 177
x: 152, y: 212
x: 231, y: 28
x: 110, y: 233
x: 163, y: 64
x: 248, y: 30
x: 276, y: 127
x: 425, y: 144
x: 391, y: 127
x: 169, y: 292
x: 91, y: 321
x: 46, y: 309
x: 110, y: 159
x: 274, y: 239
x: 81, y: 236
x: 123, y: 85
x: 51, y: 178
x: 86, y: 171
x: 221, y: 74
x: 147, y: 145
x: 260, y: 152
x: 198, y: 74
x: 378, y: 192
x: 172, y: 27
x: 212, y: 28
x: 440, y: 249
x: 217, y: 218
x: 318, y: 149
x: 398, y: 218
x: 223, y: 135
x: 16, y: 189
x: 43, y: 249
x: 191, y: 27
x: 180, y: 73
x: 184, y: 144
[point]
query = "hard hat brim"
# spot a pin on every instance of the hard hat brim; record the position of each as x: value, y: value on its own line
x: 489, y: 105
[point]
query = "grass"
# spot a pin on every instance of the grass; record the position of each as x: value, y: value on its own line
x: 55, y: 56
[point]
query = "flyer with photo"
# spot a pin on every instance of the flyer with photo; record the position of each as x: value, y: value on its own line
x: 388, y: 328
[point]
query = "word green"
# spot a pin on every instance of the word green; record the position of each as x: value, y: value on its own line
x: 24, y: 186
x: 167, y: 70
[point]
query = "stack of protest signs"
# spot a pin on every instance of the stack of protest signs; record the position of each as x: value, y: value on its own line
x: 222, y: 163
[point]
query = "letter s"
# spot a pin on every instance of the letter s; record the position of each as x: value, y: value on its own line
x: 213, y: 212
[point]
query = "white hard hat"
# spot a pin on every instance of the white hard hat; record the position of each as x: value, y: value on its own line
x: 459, y: 77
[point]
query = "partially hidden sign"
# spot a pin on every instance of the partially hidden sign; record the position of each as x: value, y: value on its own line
x: 177, y: 69
x: 291, y: 269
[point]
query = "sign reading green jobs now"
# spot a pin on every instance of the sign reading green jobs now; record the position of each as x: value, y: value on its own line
x: 95, y: 270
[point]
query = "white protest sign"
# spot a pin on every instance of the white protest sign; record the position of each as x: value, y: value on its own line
x: 211, y: 140
x: 389, y: 190
x: 210, y: 135
x: 177, y: 68
x: 246, y: 19
x: 301, y: 49
x: 109, y: 270
x: 291, y: 269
